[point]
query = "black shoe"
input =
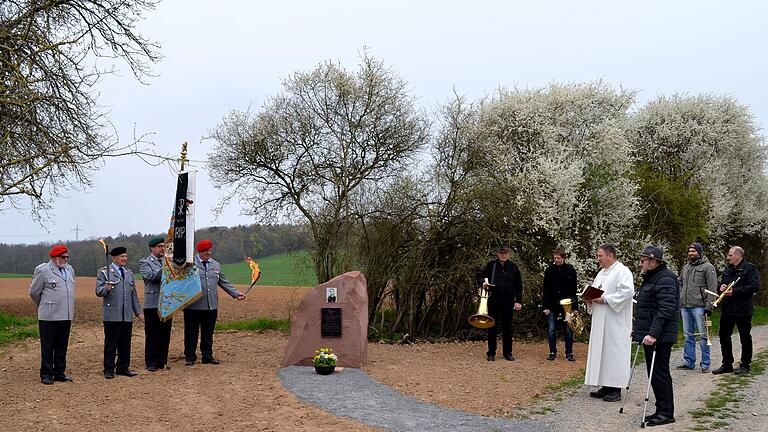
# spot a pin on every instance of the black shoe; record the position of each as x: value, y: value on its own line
x: 612, y: 396
x: 742, y: 370
x: 659, y: 420
x: 650, y: 417
x: 212, y: 361
x: 552, y: 356
x: 128, y: 373
x: 685, y: 367
x: 63, y: 378
x: 602, y: 391
x: 109, y: 375
x: 723, y: 369
x: 570, y: 358
x: 509, y: 357
x: 189, y: 362
x: 152, y: 368
x: 46, y: 380
x: 491, y: 357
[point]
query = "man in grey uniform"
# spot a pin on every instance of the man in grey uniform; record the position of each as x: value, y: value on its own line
x: 157, y: 333
x: 200, y: 316
x: 116, y: 286
x: 53, y: 291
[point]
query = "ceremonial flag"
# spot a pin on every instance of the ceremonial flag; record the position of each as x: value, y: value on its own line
x: 181, y: 280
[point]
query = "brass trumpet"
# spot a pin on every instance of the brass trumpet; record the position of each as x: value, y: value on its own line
x: 728, y: 289
x: 708, y: 329
x: 573, y: 319
x: 481, y: 319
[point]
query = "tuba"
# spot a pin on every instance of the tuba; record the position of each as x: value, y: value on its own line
x: 572, y: 318
x: 481, y: 319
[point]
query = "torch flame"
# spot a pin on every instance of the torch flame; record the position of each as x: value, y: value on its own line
x: 255, y: 271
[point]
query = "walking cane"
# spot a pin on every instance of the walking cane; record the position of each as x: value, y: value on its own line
x: 648, y: 390
x: 626, y: 393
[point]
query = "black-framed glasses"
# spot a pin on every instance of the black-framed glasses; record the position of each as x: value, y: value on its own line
x: 64, y: 256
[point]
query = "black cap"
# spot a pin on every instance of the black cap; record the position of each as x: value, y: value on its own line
x: 118, y: 251
x: 503, y: 248
x: 653, y: 252
x: 698, y: 248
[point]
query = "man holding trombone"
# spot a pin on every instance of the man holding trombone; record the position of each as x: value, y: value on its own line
x: 740, y: 282
x: 655, y: 326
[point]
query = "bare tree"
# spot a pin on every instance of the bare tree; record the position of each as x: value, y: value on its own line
x: 52, y: 131
x: 313, y: 147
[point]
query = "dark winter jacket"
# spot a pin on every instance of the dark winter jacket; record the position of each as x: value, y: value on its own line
x: 559, y: 283
x: 696, y: 277
x: 740, y: 303
x: 507, y: 281
x: 657, y: 306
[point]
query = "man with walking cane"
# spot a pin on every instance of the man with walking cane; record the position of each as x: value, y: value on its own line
x: 655, y: 326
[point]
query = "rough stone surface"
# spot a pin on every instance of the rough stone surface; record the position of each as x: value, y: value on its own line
x: 352, y: 346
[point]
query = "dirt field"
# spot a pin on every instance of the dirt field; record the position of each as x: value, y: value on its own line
x: 243, y: 393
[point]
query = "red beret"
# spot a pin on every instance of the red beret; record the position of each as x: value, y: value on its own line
x: 57, y: 250
x: 203, y: 245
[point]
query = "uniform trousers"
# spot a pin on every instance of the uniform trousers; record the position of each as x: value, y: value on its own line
x: 157, y: 339
x: 200, y: 322
x: 117, y: 340
x: 54, y: 339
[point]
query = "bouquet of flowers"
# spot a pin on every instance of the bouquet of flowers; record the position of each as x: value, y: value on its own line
x: 325, y: 357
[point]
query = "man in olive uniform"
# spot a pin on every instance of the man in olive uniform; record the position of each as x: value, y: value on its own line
x: 502, y: 278
x: 120, y: 302
x: 53, y: 291
x: 158, y: 333
x: 200, y: 316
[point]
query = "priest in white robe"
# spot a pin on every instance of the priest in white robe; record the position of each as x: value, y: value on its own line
x: 610, y: 349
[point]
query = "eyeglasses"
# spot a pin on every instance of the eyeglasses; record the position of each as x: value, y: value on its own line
x: 64, y: 256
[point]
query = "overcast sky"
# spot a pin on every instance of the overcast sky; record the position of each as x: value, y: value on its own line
x: 231, y: 55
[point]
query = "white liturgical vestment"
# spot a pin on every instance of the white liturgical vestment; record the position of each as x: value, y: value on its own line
x: 608, y: 358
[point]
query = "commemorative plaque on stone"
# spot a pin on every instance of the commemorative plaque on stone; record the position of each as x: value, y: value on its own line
x: 332, y: 315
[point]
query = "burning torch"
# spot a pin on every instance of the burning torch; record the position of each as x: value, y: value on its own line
x: 255, y: 273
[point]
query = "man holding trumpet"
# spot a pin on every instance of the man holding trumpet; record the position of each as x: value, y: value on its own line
x: 739, y: 283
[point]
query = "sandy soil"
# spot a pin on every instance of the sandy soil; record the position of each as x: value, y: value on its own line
x: 244, y: 393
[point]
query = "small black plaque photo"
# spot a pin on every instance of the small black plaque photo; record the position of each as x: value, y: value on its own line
x: 330, y: 322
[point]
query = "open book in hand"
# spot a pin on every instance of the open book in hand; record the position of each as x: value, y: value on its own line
x: 590, y: 293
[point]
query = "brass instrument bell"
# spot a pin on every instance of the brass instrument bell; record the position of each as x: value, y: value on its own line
x: 481, y: 319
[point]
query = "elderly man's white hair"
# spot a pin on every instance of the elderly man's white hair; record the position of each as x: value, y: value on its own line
x: 738, y: 250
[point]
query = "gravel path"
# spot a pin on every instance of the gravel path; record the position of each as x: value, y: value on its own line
x: 578, y: 411
x: 351, y: 393
x: 354, y: 394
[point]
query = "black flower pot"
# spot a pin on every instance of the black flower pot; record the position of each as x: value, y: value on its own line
x: 324, y: 370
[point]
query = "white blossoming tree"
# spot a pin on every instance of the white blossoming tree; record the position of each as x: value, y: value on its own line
x: 709, y: 150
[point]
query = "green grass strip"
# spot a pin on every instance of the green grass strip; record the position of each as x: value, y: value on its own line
x: 723, y: 402
x: 13, y: 328
x: 260, y: 324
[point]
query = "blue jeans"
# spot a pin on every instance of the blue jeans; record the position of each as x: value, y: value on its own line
x: 693, y: 322
x: 552, y: 335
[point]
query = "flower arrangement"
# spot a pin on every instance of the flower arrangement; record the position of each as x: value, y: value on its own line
x: 325, y: 357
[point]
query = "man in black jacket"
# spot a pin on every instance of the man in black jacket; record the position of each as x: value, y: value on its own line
x: 655, y: 326
x: 737, y: 310
x: 559, y: 284
x: 502, y: 278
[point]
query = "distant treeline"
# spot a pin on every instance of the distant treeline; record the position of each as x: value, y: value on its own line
x: 231, y: 244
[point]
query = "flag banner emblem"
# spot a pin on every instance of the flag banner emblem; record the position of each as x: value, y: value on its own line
x: 181, y: 280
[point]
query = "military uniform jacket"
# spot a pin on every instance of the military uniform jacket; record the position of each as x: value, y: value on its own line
x: 210, y: 279
x: 151, y: 269
x: 53, y: 292
x: 122, y: 302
